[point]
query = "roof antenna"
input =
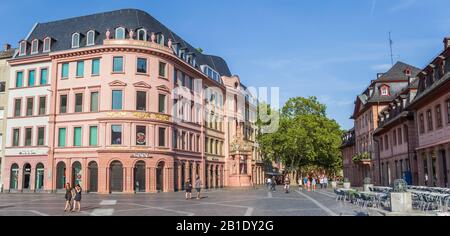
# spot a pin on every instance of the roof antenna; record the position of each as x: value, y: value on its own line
x: 390, y: 44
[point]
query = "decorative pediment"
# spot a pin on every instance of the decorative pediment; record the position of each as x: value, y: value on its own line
x: 117, y: 83
x: 142, y: 84
x: 163, y: 88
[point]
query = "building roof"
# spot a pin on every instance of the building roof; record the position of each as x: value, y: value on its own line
x: 7, y: 53
x: 61, y: 32
x: 397, y: 72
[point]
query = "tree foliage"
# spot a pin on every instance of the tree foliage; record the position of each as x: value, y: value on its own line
x: 306, y: 137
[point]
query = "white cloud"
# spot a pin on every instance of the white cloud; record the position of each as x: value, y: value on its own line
x: 404, y: 4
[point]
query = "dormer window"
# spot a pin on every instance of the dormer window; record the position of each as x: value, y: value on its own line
x: 408, y: 72
x: 142, y: 34
x: 120, y: 33
x: 23, y: 48
x: 160, y: 39
x: 90, y: 38
x: 47, y: 44
x: 384, y: 90
x: 35, y: 46
x: 76, y: 40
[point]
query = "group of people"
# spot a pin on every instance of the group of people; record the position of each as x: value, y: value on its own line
x: 197, y: 185
x: 310, y: 182
x: 272, y: 183
x: 73, y: 198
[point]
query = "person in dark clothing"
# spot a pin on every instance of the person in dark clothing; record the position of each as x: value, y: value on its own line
x: 77, y: 199
x: 188, y: 188
x: 68, y: 197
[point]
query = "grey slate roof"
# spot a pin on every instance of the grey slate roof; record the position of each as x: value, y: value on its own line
x: 397, y: 72
x: 61, y: 32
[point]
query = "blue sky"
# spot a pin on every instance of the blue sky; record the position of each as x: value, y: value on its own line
x: 327, y: 48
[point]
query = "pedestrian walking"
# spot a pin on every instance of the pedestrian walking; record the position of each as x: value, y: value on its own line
x: 305, y: 182
x: 287, y: 184
x: 313, y: 183
x: 77, y: 199
x: 321, y: 182
x: 274, y: 183
x: 188, y: 188
x: 325, y: 182
x: 68, y: 197
x: 269, y: 183
x: 198, y: 186
x: 300, y: 184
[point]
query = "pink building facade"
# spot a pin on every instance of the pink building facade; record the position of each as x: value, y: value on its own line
x: 134, y: 109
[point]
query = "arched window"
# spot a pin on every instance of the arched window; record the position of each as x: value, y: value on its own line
x: 120, y: 33
x: 160, y: 39
x: 142, y: 34
x: 47, y: 44
x: 23, y: 48
x: 35, y: 46
x: 75, y: 40
x: 90, y: 38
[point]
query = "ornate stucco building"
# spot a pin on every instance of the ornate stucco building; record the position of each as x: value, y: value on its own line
x: 117, y: 102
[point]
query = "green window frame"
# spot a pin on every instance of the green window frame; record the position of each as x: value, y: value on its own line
x: 162, y: 69
x: 19, y: 79
x: 65, y: 71
x: 80, y: 68
x: 117, y: 99
x: 162, y: 103
x: 16, y: 137
x: 17, y: 107
x: 62, y: 137
x: 44, y: 77
x: 77, y: 137
x: 31, y: 78
x: 28, y: 136
x: 94, y: 102
x: 96, y: 67
x: 118, y: 64
x: 93, y: 136
x: 41, y: 135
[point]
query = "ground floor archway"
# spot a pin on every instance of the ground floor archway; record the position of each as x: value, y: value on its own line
x: 116, y: 177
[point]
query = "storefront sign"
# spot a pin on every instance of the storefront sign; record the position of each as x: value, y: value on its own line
x: 141, y: 155
x: 140, y: 138
x: 27, y: 153
x: 139, y: 115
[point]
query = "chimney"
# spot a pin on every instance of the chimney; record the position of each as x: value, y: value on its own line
x: 446, y: 43
x: 6, y: 47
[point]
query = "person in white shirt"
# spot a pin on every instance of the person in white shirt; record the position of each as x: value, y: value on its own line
x: 325, y: 182
x: 269, y: 183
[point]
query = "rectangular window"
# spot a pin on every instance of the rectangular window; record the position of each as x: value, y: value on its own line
x: 96, y: 67
x: 116, y: 134
x: 17, y: 107
x: 141, y: 101
x: 2, y: 87
x: 31, y: 78
x: 162, y: 69
x: 162, y: 137
x: 430, y: 120
x: 94, y: 102
x: 19, y: 79
x: 30, y: 105
x: 117, y: 99
x: 16, y: 137
x: 28, y: 135
x: 381, y: 144
x: 41, y: 134
x: 42, y: 105
x: 62, y: 137
x: 77, y: 136
x: 422, y: 123
x: 118, y: 64
x: 175, y: 76
x: 93, y: 136
x: 44, y: 77
x: 175, y: 139
x: 438, y: 116
x: 386, y: 140
x: 63, y: 104
x: 65, y: 71
x: 142, y: 65
x: 162, y: 103
x: 448, y: 111
x: 141, y: 135
x: 79, y: 102
x: 400, y: 136
x: 80, y: 68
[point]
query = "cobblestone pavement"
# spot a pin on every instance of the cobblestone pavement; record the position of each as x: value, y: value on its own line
x: 222, y: 202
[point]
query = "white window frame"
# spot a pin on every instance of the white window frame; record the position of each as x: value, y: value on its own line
x: 47, y: 42
x: 160, y: 39
x: 89, y: 34
x: 145, y: 34
x: 23, y: 48
x: 117, y: 32
x: 75, y: 44
x: 35, y: 46
x: 384, y: 91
